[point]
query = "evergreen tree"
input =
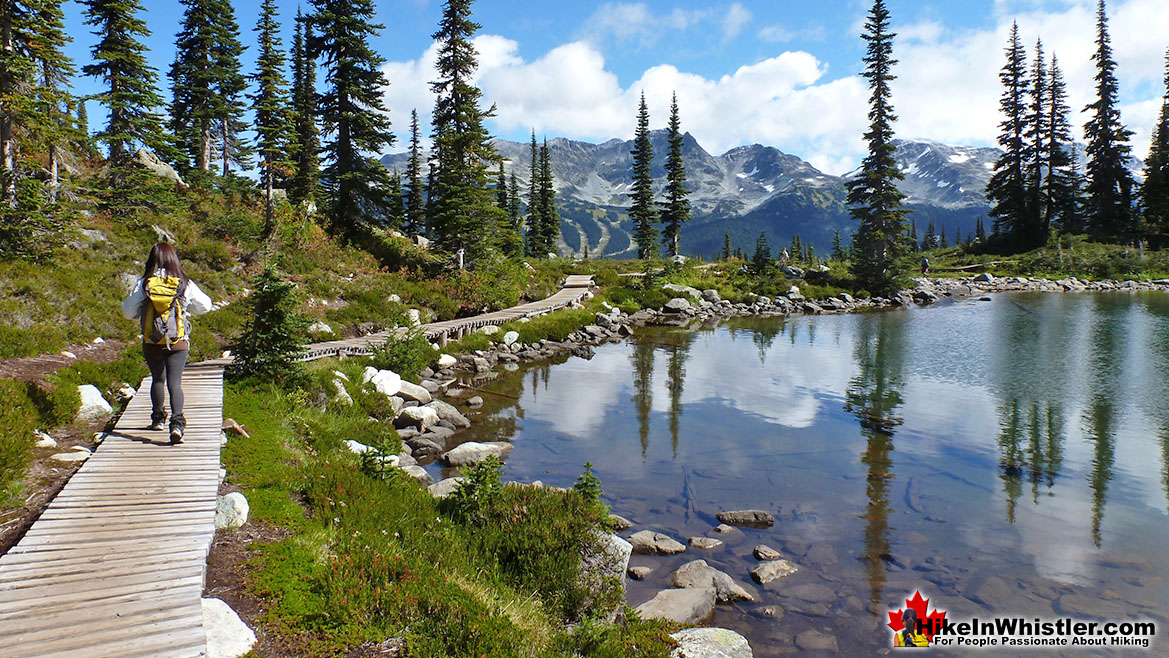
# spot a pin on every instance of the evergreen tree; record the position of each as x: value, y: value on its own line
x: 726, y: 246
x: 274, y: 333
x: 535, y: 243
x: 131, y: 94
x: 675, y: 210
x: 1037, y: 157
x: 642, y: 210
x: 515, y: 204
x: 797, y: 248
x: 396, y: 209
x: 1109, y: 182
x: 942, y: 241
x: 352, y: 111
x: 930, y: 239
x: 83, y: 117
x: 52, y: 126
x: 550, y: 220
x: 958, y: 237
x: 979, y: 230
x: 761, y: 260
x: 463, y: 213
x: 1155, y: 189
x: 837, y: 247
x: 1007, y: 189
x: 501, y: 187
x: 1059, y: 204
x: 229, y: 85
x: 913, y: 246
x: 306, y: 144
x: 873, y: 197
x: 415, y: 207
x: 274, y: 122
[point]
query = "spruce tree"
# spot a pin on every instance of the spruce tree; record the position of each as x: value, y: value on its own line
x: 930, y: 239
x: 1109, y: 183
x: 550, y: 220
x: 396, y: 208
x: 415, y: 207
x: 837, y: 247
x: 1155, y: 188
x: 726, y: 246
x: 501, y: 187
x: 942, y: 241
x: 1007, y: 189
x: 274, y: 334
x: 873, y: 197
x: 675, y: 210
x: 51, y: 127
x: 534, y: 235
x: 1034, y: 230
x: 306, y: 144
x: 352, y: 110
x: 229, y: 85
x: 514, y: 204
x: 463, y: 213
x: 1059, y: 206
x: 131, y: 95
x: 761, y: 260
x: 83, y: 117
x: 642, y: 210
x: 274, y: 122
x: 912, y: 241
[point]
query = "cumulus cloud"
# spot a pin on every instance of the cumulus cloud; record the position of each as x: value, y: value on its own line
x: 947, y: 85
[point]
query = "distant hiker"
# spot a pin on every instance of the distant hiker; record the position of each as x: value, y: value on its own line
x: 925, y: 265
x: 162, y: 301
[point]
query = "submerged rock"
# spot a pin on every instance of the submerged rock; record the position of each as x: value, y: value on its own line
x: 710, y: 643
x: 648, y: 542
x: 682, y: 606
x: 772, y: 570
x: 700, y: 574
x: 752, y: 518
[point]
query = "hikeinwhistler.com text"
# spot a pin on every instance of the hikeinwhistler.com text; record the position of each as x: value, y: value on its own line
x: 1019, y: 632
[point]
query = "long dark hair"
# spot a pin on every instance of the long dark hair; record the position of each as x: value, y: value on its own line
x: 163, y: 257
x: 909, y: 618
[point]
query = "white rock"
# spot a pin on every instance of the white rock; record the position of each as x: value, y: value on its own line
x: 99, y: 340
x: 447, y: 361
x: 489, y: 330
x: 342, y: 395
x: 414, y: 317
x: 420, y: 417
x: 700, y: 574
x: 473, y: 452
x: 227, y: 635
x: 710, y: 643
x: 340, y: 375
x: 387, y: 382
x: 444, y: 488
x: 648, y: 542
x: 357, y: 448
x: 231, y: 511
x: 320, y: 327
x: 368, y: 374
x: 81, y: 449
x: 683, y: 606
x: 412, y: 392
x: 44, y: 440
x: 68, y: 354
x: 420, y: 474
x: 93, y: 405
x: 70, y: 457
x: 394, y: 298
x: 125, y: 392
x: 449, y: 413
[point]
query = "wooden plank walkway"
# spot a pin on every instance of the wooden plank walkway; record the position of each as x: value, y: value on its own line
x: 114, y: 566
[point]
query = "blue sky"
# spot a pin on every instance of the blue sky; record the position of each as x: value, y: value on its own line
x: 779, y: 73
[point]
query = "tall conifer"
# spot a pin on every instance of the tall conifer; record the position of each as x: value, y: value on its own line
x: 352, y: 110
x: 642, y: 210
x: 873, y: 197
x: 415, y: 206
x: 549, y: 218
x: 131, y: 95
x: 52, y: 127
x: 1007, y: 189
x: 306, y: 143
x: 1059, y: 207
x: 463, y: 213
x: 1109, y: 184
x: 274, y: 126
x: 396, y: 208
x: 229, y: 85
x: 1155, y: 189
x: 676, y: 208
x: 534, y: 234
x: 1033, y: 229
x: 514, y: 203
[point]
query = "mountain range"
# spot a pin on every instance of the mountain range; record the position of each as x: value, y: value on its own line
x: 744, y: 191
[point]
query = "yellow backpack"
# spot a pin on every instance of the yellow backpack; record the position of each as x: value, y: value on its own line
x: 162, y: 320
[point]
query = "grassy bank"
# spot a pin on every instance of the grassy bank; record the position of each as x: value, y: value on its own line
x: 369, y: 555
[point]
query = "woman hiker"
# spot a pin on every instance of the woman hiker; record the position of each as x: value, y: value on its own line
x: 161, y: 301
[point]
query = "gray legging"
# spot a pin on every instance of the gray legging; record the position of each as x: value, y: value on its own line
x: 166, y: 369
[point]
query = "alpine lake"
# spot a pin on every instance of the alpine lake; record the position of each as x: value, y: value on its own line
x: 1005, y: 458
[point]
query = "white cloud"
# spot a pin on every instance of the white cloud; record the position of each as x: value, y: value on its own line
x: 735, y: 20
x: 947, y: 84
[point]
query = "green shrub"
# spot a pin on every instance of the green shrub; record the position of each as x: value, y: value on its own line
x: 274, y: 333
x: 550, y: 326
x: 40, y: 339
x: 57, y: 403
x: 479, y: 492
x: 18, y: 418
x: 405, y: 356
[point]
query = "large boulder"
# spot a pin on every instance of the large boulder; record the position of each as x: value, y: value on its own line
x: 511, y: 337
x: 93, y: 405
x: 681, y: 606
x: 231, y: 511
x: 227, y: 635
x: 447, y: 361
x: 710, y: 643
x: 150, y: 162
x: 648, y: 542
x: 792, y: 272
x: 693, y: 293
x: 473, y: 452
x: 386, y: 382
x: 444, y: 488
x: 414, y: 392
x: 700, y: 574
x: 449, y: 413
x: 711, y: 295
x: 676, y: 305
x: 419, y: 417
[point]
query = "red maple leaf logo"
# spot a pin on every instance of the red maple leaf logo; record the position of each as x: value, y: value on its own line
x: 930, y: 623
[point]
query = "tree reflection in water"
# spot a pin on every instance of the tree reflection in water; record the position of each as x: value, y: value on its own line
x: 873, y: 396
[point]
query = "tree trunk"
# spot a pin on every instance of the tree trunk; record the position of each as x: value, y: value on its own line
x: 7, y: 144
x: 226, y: 152
x: 204, y: 145
x: 267, y: 201
x: 54, y: 166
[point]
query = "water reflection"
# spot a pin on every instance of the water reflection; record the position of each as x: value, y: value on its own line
x: 874, y: 396
x: 642, y: 359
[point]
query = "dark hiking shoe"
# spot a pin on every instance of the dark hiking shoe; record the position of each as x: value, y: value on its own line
x: 157, y: 421
x: 177, y: 425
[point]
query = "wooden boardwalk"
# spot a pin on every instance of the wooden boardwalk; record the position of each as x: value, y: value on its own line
x: 114, y: 566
